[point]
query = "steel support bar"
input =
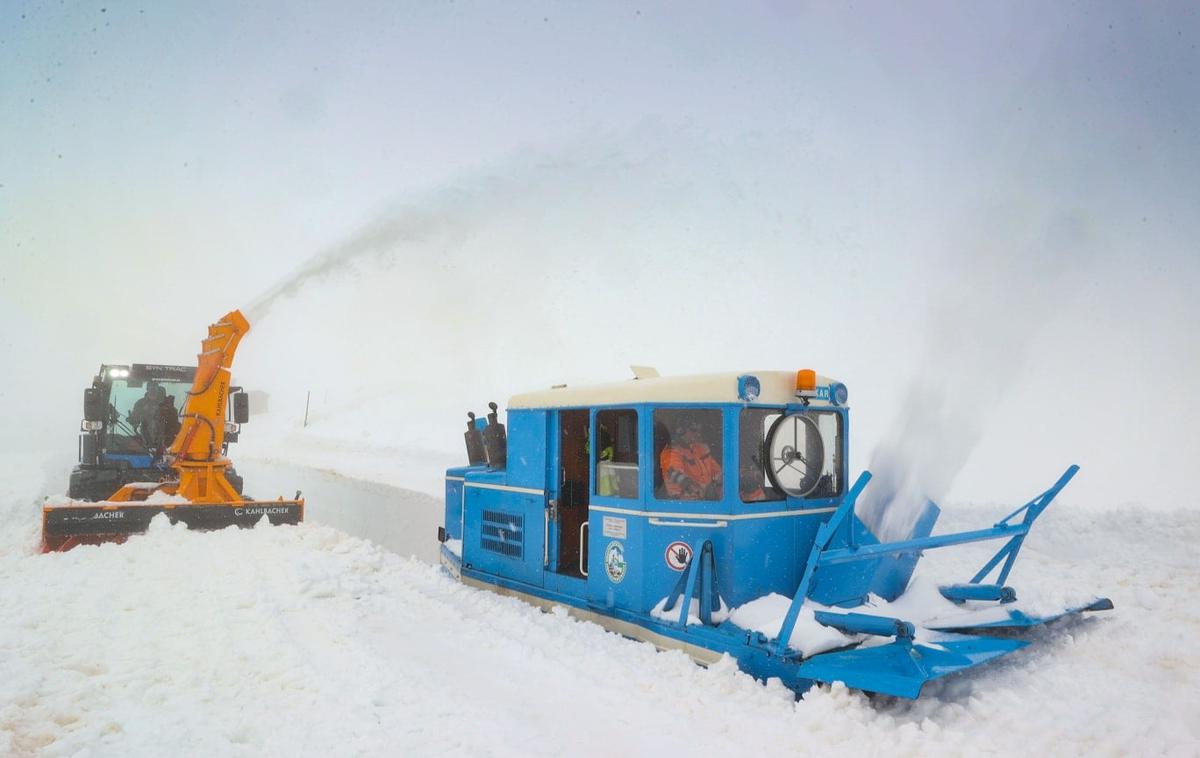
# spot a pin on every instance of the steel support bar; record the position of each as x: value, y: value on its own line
x: 824, y: 534
x: 863, y: 623
x: 681, y: 585
x: 1015, y: 533
x: 707, y: 579
x: 1032, y: 509
x: 961, y: 592
x: 685, y: 607
x: 699, y: 579
x: 832, y: 557
x: 821, y: 556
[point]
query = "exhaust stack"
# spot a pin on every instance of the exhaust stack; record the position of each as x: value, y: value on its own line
x: 495, y: 440
x: 476, y: 454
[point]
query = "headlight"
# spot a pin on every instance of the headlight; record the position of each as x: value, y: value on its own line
x: 838, y: 394
x: 749, y: 387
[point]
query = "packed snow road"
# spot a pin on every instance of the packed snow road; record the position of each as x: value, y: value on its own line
x: 305, y: 640
x: 401, y: 520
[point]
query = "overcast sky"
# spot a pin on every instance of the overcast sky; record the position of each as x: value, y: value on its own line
x: 995, y: 202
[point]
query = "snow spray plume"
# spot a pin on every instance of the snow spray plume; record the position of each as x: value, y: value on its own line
x: 383, y: 237
x: 541, y: 187
x: 977, y: 340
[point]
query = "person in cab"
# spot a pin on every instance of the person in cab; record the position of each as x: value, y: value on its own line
x: 168, y: 422
x: 144, y: 408
x: 607, y: 479
x: 751, y: 484
x: 689, y: 470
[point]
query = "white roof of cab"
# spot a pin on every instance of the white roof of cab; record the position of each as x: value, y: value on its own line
x: 778, y: 388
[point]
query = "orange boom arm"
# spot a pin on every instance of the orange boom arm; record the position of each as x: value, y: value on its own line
x: 196, y: 451
x: 202, y: 428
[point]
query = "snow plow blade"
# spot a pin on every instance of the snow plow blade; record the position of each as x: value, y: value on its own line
x: 65, y: 526
x: 902, y: 668
x: 1008, y: 619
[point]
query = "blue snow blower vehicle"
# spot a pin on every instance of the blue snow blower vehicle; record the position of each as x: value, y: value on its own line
x: 714, y: 514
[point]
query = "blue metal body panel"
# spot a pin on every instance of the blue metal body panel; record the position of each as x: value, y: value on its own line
x: 527, y: 449
x: 641, y: 552
x: 453, y: 519
x: 503, y: 531
x: 134, y: 460
x: 887, y: 576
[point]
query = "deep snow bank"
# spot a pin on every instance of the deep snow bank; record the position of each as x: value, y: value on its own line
x: 306, y: 641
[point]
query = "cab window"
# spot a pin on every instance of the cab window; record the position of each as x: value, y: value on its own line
x: 754, y: 486
x: 802, y: 454
x: 687, y: 454
x: 616, y: 453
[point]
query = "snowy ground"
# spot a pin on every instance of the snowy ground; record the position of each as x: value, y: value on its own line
x: 309, y: 641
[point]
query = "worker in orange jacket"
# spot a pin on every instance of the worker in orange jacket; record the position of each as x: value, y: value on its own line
x: 688, y: 469
x: 751, y: 483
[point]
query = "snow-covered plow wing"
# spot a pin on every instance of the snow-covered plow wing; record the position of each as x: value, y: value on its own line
x: 79, y: 523
x: 1000, y: 618
x: 902, y: 668
x: 849, y: 568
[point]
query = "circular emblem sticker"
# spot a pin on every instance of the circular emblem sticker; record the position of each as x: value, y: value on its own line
x: 679, y: 555
x: 614, y: 562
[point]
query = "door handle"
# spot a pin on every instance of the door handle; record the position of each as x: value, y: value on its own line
x: 551, y: 514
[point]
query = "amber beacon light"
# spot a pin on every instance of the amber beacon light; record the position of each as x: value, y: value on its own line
x: 806, y: 380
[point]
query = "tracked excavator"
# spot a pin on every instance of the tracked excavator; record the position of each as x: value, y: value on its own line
x: 198, y: 492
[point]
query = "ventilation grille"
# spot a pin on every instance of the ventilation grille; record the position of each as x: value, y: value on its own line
x: 503, y: 533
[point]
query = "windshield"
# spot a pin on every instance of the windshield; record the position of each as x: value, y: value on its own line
x: 802, y: 453
x: 144, y: 418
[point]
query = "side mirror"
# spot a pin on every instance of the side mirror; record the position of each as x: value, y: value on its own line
x: 95, y: 404
x: 241, y: 408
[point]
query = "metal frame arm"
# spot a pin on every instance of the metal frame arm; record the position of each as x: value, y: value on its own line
x: 1032, y: 510
x: 1002, y: 529
x: 699, y: 577
x: 824, y: 535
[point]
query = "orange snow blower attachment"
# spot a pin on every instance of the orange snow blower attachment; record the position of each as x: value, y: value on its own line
x: 197, y: 492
